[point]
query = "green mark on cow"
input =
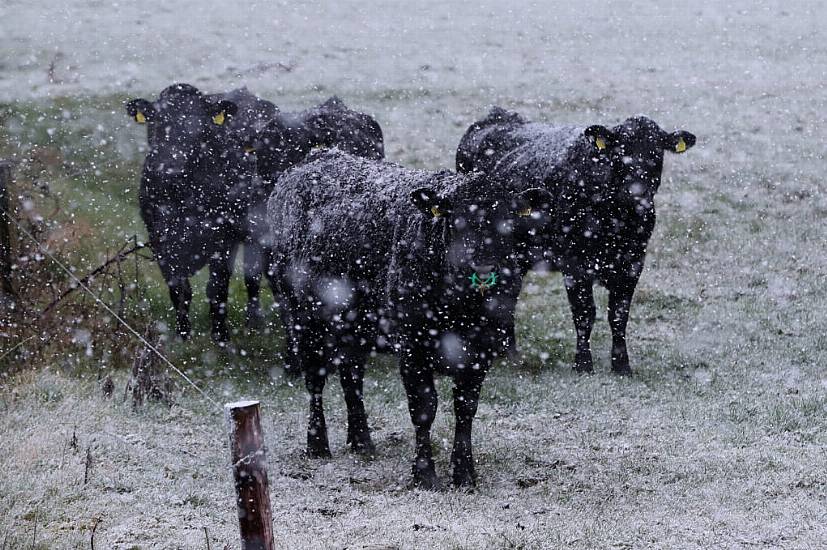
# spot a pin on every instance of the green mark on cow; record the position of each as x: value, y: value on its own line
x: 482, y: 286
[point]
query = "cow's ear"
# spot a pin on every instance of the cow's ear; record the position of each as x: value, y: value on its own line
x: 532, y: 202
x: 427, y: 200
x: 680, y: 141
x: 140, y: 110
x: 601, y: 137
x: 220, y: 111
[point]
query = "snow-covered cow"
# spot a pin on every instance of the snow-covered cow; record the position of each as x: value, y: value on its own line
x: 283, y: 140
x: 604, y: 182
x: 376, y: 256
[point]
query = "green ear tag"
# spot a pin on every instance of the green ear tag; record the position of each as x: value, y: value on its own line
x: 482, y: 286
x: 680, y: 147
x: 600, y: 143
x: 140, y: 118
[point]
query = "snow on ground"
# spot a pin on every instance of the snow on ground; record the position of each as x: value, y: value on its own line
x: 718, y: 441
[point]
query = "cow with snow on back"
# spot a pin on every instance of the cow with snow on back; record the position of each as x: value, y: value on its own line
x: 374, y: 256
x: 603, y: 182
x: 283, y: 140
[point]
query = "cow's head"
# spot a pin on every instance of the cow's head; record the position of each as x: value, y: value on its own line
x: 483, y: 232
x: 271, y: 142
x: 278, y: 146
x: 635, y: 150
x: 181, y: 124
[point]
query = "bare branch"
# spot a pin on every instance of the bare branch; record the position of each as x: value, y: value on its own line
x: 119, y: 256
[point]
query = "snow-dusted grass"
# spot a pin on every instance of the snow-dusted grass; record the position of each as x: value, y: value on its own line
x: 680, y: 456
x: 718, y: 441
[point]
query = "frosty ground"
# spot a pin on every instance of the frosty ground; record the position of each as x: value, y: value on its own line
x: 718, y: 440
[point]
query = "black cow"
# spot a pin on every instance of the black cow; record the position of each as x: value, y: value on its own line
x: 603, y: 181
x: 253, y: 116
x: 197, y: 187
x: 280, y: 140
x: 373, y: 256
x: 283, y: 140
x: 289, y: 137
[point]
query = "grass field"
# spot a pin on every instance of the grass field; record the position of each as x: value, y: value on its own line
x: 717, y: 441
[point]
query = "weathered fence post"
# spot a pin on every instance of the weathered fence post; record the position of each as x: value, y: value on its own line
x: 6, y: 289
x: 247, y: 451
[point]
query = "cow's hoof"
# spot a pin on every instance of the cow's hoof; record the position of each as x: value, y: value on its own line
x: 465, y: 479
x: 622, y: 370
x: 583, y: 368
x: 427, y: 482
x: 183, y: 330
x: 317, y: 443
x: 318, y: 451
x: 220, y: 337
x: 583, y: 362
x: 254, y: 323
x: 512, y: 353
x: 361, y: 443
x: 512, y: 356
x: 424, y: 477
x: 254, y: 320
x: 364, y: 448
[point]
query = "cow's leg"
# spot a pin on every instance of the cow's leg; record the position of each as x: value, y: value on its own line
x: 221, y: 269
x: 291, y: 361
x: 252, y: 280
x: 620, y: 300
x: 466, y: 398
x: 268, y: 267
x: 418, y: 379
x: 315, y: 375
x: 509, y: 339
x: 351, y: 373
x: 180, y: 292
x: 527, y: 258
x: 581, y: 300
x: 280, y: 290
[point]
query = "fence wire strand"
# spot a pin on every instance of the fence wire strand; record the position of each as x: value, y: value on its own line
x: 89, y: 291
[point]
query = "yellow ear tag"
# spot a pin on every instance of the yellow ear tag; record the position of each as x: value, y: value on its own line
x: 600, y: 143
x: 249, y: 149
x: 681, y: 146
x: 525, y: 212
x: 140, y: 118
x: 436, y: 212
x: 218, y: 118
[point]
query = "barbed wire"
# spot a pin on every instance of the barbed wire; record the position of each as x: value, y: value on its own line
x: 89, y: 291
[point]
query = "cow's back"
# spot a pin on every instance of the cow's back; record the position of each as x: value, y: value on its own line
x: 530, y: 155
x: 469, y: 156
x: 333, y: 124
x: 337, y: 214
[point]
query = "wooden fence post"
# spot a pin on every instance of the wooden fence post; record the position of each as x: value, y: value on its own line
x: 6, y: 289
x: 255, y: 520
